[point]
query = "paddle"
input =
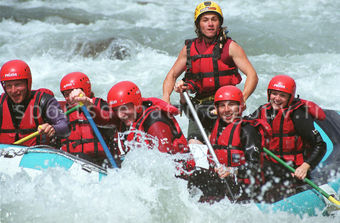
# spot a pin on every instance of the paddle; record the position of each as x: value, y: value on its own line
x: 329, y: 197
x: 99, y: 136
x: 35, y: 134
x: 26, y: 138
x: 205, y: 137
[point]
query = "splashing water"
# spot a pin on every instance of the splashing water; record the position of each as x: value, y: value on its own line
x: 139, y: 41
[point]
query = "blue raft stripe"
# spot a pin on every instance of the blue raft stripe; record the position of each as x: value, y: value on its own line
x: 45, y: 160
x: 327, y: 140
x: 101, y: 175
x: 307, y: 202
x: 335, y: 185
x: 5, y: 146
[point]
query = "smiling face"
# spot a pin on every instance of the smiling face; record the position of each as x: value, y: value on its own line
x: 126, y: 113
x: 228, y: 110
x: 209, y: 24
x: 278, y: 99
x: 16, y: 90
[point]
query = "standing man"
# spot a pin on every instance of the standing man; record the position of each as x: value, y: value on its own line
x: 24, y: 111
x: 211, y: 61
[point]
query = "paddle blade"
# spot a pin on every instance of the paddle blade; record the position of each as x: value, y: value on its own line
x: 334, y: 201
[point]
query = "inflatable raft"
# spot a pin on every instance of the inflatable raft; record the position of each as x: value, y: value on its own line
x: 32, y: 159
x: 14, y: 158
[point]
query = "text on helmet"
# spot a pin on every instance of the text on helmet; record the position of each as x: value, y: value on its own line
x: 113, y: 102
x: 207, y: 9
x: 68, y: 85
x: 11, y: 75
x: 279, y: 85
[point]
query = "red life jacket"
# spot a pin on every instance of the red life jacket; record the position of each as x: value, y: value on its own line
x: 285, y: 143
x: 82, y: 138
x: 29, y: 123
x: 228, y: 147
x: 206, y: 72
x: 227, y: 144
x: 179, y: 142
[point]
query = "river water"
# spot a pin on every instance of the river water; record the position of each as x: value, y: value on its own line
x: 139, y: 41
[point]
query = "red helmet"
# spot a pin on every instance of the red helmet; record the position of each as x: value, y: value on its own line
x: 76, y: 80
x: 16, y: 70
x: 124, y: 92
x: 229, y: 93
x: 282, y: 83
x: 47, y: 91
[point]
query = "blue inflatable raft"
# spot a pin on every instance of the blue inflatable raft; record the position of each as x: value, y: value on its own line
x: 13, y: 158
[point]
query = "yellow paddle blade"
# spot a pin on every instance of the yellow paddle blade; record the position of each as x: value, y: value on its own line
x: 35, y: 134
x: 334, y: 201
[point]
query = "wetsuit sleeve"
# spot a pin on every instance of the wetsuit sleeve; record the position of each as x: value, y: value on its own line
x: 304, y: 126
x: 251, y: 141
x: 53, y: 114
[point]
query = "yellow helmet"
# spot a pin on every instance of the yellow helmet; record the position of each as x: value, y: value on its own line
x: 208, y: 6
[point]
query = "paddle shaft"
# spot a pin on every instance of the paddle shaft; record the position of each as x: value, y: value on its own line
x: 72, y: 110
x: 36, y: 133
x: 305, y: 180
x: 31, y: 136
x: 99, y: 136
x: 199, y: 124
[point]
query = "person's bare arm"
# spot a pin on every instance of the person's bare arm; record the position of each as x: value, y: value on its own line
x: 241, y: 61
x: 176, y: 70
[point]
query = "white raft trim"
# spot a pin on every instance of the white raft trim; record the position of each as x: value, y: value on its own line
x: 11, y: 158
